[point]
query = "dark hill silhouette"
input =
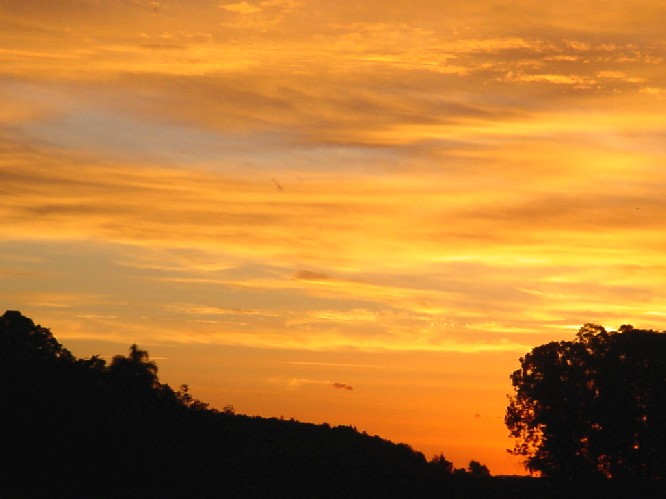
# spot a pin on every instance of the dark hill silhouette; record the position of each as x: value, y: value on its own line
x: 83, y: 428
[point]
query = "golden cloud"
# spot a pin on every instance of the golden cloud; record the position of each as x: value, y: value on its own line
x: 241, y: 7
x: 407, y: 175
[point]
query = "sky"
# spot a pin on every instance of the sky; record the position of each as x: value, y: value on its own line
x: 360, y: 213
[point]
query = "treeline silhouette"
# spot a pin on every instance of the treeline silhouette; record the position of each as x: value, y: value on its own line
x: 79, y: 428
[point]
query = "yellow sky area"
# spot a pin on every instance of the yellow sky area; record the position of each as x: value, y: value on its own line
x: 281, y: 198
x: 391, y: 253
x: 84, y: 40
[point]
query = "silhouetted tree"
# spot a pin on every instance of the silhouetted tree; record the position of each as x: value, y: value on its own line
x: 135, y: 370
x: 477, y: 469
x: 442, y: 464
x: 184, y: 397
x: 594, y: 407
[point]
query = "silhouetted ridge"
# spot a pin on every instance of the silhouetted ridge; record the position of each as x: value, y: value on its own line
x: 83, y: 428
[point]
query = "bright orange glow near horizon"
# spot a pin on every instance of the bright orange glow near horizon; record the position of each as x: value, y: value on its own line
x: 284, y: 199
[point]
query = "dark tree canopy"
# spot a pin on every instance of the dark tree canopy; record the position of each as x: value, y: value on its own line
x: 594, y: 407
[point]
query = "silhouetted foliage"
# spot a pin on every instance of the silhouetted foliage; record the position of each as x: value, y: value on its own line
x: 593, y: 409
x: 184, y: 397
x: 440, y: 463
x: 477, y: 469
x: 82, y: 428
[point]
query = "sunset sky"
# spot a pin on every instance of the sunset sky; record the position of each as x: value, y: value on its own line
x: 355, y: 212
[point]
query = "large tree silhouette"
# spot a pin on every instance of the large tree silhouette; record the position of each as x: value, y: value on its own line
x: 594, y: 407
